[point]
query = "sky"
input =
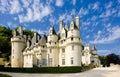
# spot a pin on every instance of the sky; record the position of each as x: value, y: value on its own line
x: 99, y: 19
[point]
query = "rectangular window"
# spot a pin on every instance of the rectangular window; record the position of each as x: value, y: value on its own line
x: 50, y: 50
x: 63, y: 61
x: 44, y: 61
x: 71, y: 60
x: 63, y: 50
x: 50, y: 61
x: 72, y: 47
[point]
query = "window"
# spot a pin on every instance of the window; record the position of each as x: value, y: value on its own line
x: 71, y: 60
x: 72, y: 47
x: 50, y: 61
x: 44, y: 61
x: 71, y: 38
x: 63, y: 50
x: 38, y: 61
x: 50, y: 50
x: 63, y: 61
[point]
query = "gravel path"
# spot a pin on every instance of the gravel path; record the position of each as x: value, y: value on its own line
x: 113, y: 71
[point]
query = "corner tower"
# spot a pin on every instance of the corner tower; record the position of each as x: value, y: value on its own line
x: 52, y: 48
x: 18, y: 42
x: 74, y: 45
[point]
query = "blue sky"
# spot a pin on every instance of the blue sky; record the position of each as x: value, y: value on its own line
x: 99, y: 19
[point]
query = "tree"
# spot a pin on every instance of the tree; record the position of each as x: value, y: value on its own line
x: 5, y: 44
x: 112, y: 58
x: 103, y: 60
x: 28, y: 33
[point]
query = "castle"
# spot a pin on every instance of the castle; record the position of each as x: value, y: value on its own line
x: 55, y: 49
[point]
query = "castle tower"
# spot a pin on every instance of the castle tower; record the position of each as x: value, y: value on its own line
x: 18, y: 44
x: 52, y: 48
x: 73, y: 46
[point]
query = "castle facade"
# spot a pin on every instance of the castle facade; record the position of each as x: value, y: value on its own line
x: 55, y: 49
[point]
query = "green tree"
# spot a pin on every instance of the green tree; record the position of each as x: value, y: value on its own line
x: 28, y: 33
x: 5, y: 45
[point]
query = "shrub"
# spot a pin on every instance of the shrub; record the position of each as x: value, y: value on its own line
x: 3, y: 75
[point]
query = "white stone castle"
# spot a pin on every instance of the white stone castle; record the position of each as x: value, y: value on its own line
x: 62, y: 49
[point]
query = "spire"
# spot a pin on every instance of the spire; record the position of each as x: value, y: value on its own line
x: 52, y: 31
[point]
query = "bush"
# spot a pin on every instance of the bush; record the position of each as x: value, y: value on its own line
x: 3, y: 75
x: 74, y: 69
x: 44, y: 70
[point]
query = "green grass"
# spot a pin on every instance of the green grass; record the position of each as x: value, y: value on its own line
x: 3, y: 75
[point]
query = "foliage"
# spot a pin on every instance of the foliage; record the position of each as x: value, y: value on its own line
x: 28, y: 33
x: 112, y: 58
x: 103, y: 60
x: 3, y: 75
x: 5, y: 45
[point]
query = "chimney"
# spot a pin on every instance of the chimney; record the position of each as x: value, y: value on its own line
x: 61, y: 26
x: 77, y: 21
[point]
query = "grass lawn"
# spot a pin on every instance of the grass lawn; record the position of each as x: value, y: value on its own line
x: 3, y: 75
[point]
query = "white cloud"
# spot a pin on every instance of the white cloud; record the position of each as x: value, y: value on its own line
x: 83, y: 12
x: 59, y: 3
x: 114, y: 34
x: 107, y: 13
x: 73, y: 12
x: 36, y: 12
x: 52, y: 20
x: 88, y: 36
x: 96, y: 6
x: 73, y: 2
x: 15, y: 7
x: 86, y: 23
x: 40, y: 31
x: 66, y: 17
x: 108, y: 5
x: 94, y: 18
x: 26, y: 3
x: 104, y: 52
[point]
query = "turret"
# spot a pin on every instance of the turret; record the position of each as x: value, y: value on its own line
x: 52, y: 48
x: 18, y: 44
x: 52, y: 37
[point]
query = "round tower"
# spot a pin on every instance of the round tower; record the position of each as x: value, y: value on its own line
x: 52, y: 48
x: 18, y: 45
x: 74, y: 46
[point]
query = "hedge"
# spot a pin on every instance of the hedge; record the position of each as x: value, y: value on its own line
x: 3, y: 75
x: 74, y: 69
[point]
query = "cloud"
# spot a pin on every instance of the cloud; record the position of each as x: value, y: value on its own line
x: 66, y: 17
x: 96, y: 6
x: 113, y: 35
x: 40, y: 31
x: 94, y: 18
x: 104, y: 52
x: 15, y: 7
x: 73, y: 2
x: 83, y: 11
x: 10, y: 6
x: 36, y: 12
x: 52, y: 20
x: 26, y: 3
x: 59, y: 3
x: 108, y: 5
